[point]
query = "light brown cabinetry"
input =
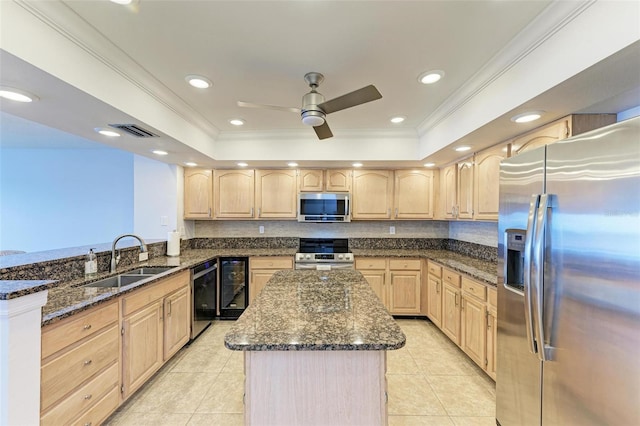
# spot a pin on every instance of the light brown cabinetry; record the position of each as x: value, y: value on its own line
x: 262, y: 268
x: 473, y: 336
x: 374, y: 270
x: 80, y: 365
x: 492, y: 331
x: 414, y: 194
x: 397, y: 282
x: 338, y: 180
x: 276, y: 194
x: 198, y: 194
x: 486, y: 182
x: 563, y: 128
x: 233, y: 194
x: 331, y: 180
x: 154, y: 326
x: 372, y: 196
x: 451, y: 303
x: 447, y: 198
x: 434, y: 287
x: 464, y: 192
x: 311, y: 180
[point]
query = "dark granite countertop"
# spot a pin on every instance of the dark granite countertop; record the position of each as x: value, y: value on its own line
x: 12, y: 289
x: 317, y: 311
x: 482, y: 270
x: 68, y: 298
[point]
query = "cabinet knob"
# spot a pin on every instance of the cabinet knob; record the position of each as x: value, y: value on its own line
x: 87, y: 362
x: 87, y: 327
x: 87, y: 397
x: 87, y: 424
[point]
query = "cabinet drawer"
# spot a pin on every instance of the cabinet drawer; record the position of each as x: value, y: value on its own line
x: 141, y: 298
x: 83, y: 398
x: 404, y: 264
x: 364, y: 263
x: 57, y: 336
x: 492, y: 295
x: 434, y: 269
x: 474, y: 289
x: 99, y: 412
x: 451, y: 277
x: 64, y: 373
x: 271, y: 262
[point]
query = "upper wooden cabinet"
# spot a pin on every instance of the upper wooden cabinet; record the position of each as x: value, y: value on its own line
x: 338, y: 180
x: 234, y: 194
x: 372, y: 196
x: 311, y: 180
x: 447, y: 198
x: 414, y: 194
x: 563, y: 128
x: 198, y: 194
x: 486, y: 182
x: 276, y: 194
x: 464, y: 193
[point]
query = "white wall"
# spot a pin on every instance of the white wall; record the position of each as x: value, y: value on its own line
x: 56, y: 198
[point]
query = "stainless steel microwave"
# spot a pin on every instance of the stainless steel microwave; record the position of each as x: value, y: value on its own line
x: 323, y: 207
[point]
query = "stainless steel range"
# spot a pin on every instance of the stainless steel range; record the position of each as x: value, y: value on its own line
x: 324, y: 254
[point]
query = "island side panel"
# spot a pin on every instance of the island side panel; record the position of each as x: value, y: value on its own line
x: 315, y: 388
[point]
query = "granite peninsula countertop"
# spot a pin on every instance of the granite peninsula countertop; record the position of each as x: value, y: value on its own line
x: 315, y: 311
x: 68, y: 298
x: 482, y: 270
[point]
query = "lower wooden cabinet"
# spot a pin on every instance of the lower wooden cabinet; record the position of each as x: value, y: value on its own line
x: 397, y: 282
x: 473, y: 337
x: 451, y: 312
x: 177, y: 324
x: 492, y: 332
x: 434, y: 299
x: 262, y: 268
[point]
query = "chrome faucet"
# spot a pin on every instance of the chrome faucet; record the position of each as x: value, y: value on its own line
x: 115, y: 259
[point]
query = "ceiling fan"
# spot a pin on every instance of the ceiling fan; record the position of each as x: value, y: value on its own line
x: 315, y: 108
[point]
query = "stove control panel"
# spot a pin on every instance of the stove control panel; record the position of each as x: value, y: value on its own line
x: 324, y: 257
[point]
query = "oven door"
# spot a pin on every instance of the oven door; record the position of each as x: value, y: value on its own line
x: 326, y: 266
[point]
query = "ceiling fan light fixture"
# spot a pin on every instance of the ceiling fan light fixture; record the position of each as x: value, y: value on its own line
x: 313, y: 118
x: 198, y: 81
x: 527, y: 117
x: 430, y: 77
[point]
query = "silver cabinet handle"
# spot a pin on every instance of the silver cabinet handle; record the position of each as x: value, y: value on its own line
x: 389, y: 213
x: 87, y: 327
x: 456, y: 299
x: 259, y: 211
x: 251, y: 211
x: 209, y: 211
x: 169, y: 313
x: 396, y: 212
x: 528, y: 245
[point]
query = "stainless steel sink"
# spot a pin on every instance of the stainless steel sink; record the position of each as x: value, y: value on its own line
x: 117, y: 281
x: 149, y: 270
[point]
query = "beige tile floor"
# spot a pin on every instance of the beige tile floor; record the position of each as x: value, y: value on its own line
x: 430, y: 382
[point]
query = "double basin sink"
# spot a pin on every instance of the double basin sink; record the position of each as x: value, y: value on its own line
x: 130, y: 277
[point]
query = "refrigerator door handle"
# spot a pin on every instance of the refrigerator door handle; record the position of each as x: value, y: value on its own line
x: 528, y: 245
x: 544, y: 352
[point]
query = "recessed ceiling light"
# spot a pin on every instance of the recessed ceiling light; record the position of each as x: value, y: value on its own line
x: 16, y: 94
x: 236, y: 121
x: 190, y: 164
x: 430, y: 77
x: 357, y: 164
x: 526, y: 117
x: 198, y: 81
x: 242, y: 164
x: 159, y: 152
x: 398, y: 119
x: 429, y: 164
x: 121, y: 1
x: 292, y: 164
x: 107, y: 132
x: 463, y: 148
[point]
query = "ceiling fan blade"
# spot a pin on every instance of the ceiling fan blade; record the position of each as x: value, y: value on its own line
x: 357, y: 97
x: 323, y: 131
x: 275, y: 107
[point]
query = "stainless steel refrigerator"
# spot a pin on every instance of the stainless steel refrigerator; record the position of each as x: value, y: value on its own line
x: 568, y: 345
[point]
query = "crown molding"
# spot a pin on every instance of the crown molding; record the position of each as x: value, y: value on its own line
x: 406, y: 134
x: 551, y: 20
x: 60, y: 18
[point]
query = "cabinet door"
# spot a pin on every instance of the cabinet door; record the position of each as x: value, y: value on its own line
x: 486, y: 183
x: 311, y: 180
x: 451, y: 312
x: 141, y: 347
x: 198, y: 194
x: 473, y: 330
x: 376, y: 280
x: 257, y: 280
x: 338, y: 180
x: 413, y: 194
x: 492, y: 324
x: 465, y: 189
x: 234, y: 193
x: 276, y: 194
x: 447, y: 195
x: 177, y: 322
x: 372, y: 194
x: 435, y: 300
x: 404, y: 295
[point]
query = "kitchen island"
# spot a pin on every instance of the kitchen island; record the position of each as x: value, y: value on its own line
x: 315, y: 347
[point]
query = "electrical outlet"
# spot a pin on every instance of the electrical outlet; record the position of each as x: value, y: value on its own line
x: 261, y: 229
x: 392, y: 230
x: 143, y: 256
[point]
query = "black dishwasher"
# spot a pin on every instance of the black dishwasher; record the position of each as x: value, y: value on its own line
x: 234, y: 286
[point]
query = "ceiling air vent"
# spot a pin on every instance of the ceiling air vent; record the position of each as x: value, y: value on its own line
x: 135, y: 130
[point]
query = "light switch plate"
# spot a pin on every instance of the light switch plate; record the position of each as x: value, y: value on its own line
x: 392, y: 230
x: 261, y: 229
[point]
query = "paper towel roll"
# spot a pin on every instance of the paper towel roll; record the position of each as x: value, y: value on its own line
x: 173, y: 243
